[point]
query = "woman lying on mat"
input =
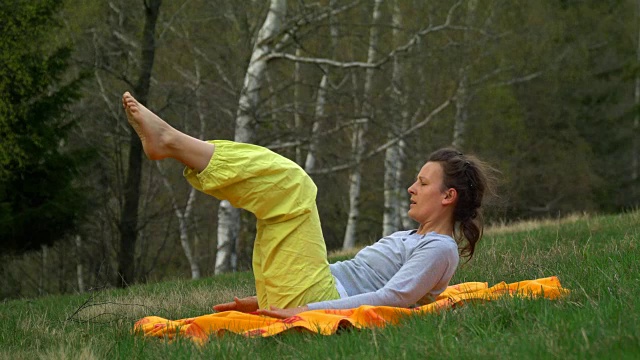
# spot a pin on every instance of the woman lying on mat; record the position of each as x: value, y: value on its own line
x: 290, y: 265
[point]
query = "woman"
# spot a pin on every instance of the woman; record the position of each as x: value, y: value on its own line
x: 289, y: 260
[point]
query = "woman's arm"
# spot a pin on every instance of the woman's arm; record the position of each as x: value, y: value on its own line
x: 250, y: 304
x: 283, y: 313
x: 245, y: 305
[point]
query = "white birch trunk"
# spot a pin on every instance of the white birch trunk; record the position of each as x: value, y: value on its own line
x: 407, y: 222
x: 184, y: 235
x: 273, y: 103
x: 79, y: 268
x: 183, y: 216
x: 333, y: 29
x: 402, y: 205
x: 321, y: 99
x: 462, y: 93
x: 228, y: 229
x: 391, y: 218
x: 358, y: 139
x: 228, y: 216
x: 297, y: 119
x: 310, y: 161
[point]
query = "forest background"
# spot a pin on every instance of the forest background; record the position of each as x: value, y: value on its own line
x: 356, y: 92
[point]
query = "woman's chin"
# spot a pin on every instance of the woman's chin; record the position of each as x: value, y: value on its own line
x: 410, y: 216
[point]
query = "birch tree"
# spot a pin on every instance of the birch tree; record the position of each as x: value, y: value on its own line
x: 358, y: 141
x: 394, y: 155
x: 297, y: 118
x: 229, y: 217
x: 183, y: 215
x: 321, y: 96
x: 462, y: 95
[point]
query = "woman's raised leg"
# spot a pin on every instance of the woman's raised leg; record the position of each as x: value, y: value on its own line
x: 289, y: 257
x: 160, y: 140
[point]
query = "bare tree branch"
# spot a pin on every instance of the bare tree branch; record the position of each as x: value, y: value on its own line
x: 306, y: 20
x: 366, y: 65
x: 168, y: 24
x: 389, y: 143
x: 232, y: 88
x: 521, y: 79
x: 290, y: 144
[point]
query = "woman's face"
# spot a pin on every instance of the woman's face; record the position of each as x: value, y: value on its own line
x: 427, y: 196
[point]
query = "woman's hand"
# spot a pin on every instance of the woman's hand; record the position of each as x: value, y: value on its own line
x: 283, y: 313
x: 245, y: 305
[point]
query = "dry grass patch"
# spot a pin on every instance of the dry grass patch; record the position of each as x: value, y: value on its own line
x: 39, y: 324
x: 179, y: 299
x: 69, y: 352
x: 528, y: 225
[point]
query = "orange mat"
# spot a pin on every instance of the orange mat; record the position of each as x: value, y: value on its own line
x: 327, y: 322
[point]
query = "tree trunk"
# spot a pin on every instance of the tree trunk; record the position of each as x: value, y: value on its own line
x: 297, y: 119
x: 183, y: 217
x: 321, y: 98
x: 389, y: 217
x: 462, y: 93
x: 461, y: 110
x: 310, y: 161
x: 635, y: 161
x: 62, y: 261
x: 402, y: 205
x: 228, y: 229
x: 228, y: 216
x: 393, y: 157
x: 184, y: 235
x: 358, y: 140
x: 79, y: 269
x: 129, y: 216
x: 43, y: 270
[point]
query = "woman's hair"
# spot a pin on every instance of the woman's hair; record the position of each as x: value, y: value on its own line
x: 472, y: 179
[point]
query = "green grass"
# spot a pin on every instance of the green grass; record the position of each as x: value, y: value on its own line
x: 596, y: 257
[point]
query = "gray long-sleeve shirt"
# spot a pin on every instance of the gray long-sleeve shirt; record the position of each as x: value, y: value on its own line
x: 402, y: 269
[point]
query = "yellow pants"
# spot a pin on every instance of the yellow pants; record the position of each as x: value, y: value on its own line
x: 289, y: 256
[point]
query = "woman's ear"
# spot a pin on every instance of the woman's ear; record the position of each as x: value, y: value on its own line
x: 450, y: 196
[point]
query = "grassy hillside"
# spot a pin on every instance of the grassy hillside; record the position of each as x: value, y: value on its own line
x: 596, y: 257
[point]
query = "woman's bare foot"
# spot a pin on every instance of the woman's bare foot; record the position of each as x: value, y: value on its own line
x: 154, y: 132
x: 160, y: 140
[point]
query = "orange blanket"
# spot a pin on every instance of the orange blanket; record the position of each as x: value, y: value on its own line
x: 327, y: 322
